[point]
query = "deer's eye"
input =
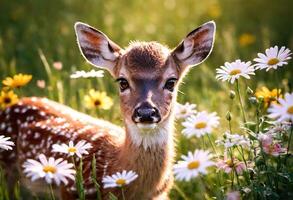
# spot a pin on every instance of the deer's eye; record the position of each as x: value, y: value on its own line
x: 170, y: 84
x: 123, y: 84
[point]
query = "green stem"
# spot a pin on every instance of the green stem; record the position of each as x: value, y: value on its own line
x: 51, y: 192
x: 240, y: 101
x: 180, y: 192
x: 203, y: 142
x: 278, y: 84
x: 73, y: 162
x: 289, y: 141
x: 123, y: 195
x: 213, y: 145
x: 232, y: 172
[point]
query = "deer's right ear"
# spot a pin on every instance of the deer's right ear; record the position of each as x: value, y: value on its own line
x: 96, y: 47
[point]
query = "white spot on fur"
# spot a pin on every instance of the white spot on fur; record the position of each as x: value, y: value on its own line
x: 9, y: 129
x: 3, y: 126
x: 37, y: 135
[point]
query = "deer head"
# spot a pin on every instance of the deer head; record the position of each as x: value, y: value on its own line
x: 148, y: 75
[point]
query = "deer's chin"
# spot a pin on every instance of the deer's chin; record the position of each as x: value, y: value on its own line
x: 147, y: 126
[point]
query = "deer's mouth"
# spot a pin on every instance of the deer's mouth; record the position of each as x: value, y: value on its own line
x: 147, y: 126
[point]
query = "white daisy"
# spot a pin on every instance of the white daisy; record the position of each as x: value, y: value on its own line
x: 119, y: 179
x: 273, y: 58
x: 192, y: 165
x: 231, y: 140
x: 5, y: 143
x: 90, y: 74
x: 284, y: 110
x: 232, y: 71
x: 200, y: 124
x: 71, y: 149
x: 184, y: 110
x: 51, y: 170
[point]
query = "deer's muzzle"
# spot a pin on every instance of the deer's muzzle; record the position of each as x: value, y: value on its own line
x: 146, y: 113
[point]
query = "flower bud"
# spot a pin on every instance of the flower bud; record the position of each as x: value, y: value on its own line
x: 232, y: 94
x: 249, y: 91
x: 228, y: 116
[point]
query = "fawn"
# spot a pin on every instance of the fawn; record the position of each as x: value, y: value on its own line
x: 148, y: 75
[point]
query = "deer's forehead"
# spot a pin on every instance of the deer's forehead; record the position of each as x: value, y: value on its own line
x: 146, y: 61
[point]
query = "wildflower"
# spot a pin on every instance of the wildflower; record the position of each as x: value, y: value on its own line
x: 279, y: 128
x: 200, y: 124
x: 5, y: 143
x: 267, y: 95
x: 273, y: 59
x: 17, y: 80
x: 273, y: 149
x: 232, y: 71
x: 58, y: 65
x: 246, y: 39
x: 192, y: 165
x: 8, y: 99
x: 184, y: 110
x: 233, y: 195
x: 265, y: 139
x: 227, y: 165
x: 41, y: 84
x: 49, y: 169
x: 97, y: 99
x: 83, y: 74
x: 119, y: 179
x: 231, y: 140
x: 71, y: 149
x: 284, y: 110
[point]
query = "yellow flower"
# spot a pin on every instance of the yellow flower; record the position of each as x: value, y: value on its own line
x: 8, y: 99
x: 97, y: 99
x: 267, y: 95
x: 214, y: 10
x: 17, y: 80
x: 246, y: 39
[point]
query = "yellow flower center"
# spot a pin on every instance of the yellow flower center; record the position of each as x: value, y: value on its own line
x: 235, y: 72
x: 71, y: 149
x: 193, y: 165
x: 290, y: 110
x: 97, y: 102
x: 7, y: 100
x: 200, y: 125
x: 229, y: 163
x: 121, y: 181
x: 273, y: 61
x: 49, y: 168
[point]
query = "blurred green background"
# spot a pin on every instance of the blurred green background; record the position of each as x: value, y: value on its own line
x: 32, y: 28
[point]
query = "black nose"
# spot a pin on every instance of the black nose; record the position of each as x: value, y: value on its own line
x: 146, y: 114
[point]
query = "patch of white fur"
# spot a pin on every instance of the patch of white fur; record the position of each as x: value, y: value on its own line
x: 150, y: 136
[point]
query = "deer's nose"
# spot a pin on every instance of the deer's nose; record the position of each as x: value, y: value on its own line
x: 146, y: 114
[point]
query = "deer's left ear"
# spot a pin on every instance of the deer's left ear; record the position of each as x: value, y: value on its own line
x: 196, y: 47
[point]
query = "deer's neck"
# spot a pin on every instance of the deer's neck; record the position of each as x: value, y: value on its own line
x: 150, y: 154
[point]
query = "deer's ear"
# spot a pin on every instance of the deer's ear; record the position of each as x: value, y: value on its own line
x: 96, y: 47
x: 197, y: 45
